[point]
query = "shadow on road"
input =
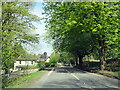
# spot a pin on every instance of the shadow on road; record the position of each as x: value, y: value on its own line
x: 68, y: 70
x: 62, y: 84
x: 48, y: 69
x: 65, y: 69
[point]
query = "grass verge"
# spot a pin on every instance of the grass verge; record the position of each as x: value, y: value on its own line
x: 117, y: 74
x: 25, y: 81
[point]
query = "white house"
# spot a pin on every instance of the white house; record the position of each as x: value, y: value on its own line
x: 30, y: 60
x: 24, y: 61
x: 43, y: 57
x: 48, y: 59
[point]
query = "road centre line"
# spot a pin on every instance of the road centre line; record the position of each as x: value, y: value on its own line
x: 77, y: 78
x: 51, y: 71
x: 73, y: 75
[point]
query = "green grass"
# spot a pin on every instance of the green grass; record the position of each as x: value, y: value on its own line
x: 116, y: 73
x: 111, y: 73
x: 25, y: 81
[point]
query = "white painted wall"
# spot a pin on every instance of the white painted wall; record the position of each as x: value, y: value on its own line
x: 48, y: 60
x: 23, y: 63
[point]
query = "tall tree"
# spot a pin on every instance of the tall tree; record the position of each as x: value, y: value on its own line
x: 16, y: 24
x: 82, y: 27
x: 105, y: 28
x: 54, y: 58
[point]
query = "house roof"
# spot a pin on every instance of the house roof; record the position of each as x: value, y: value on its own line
x: 32, y: 58
x: 26, y: 58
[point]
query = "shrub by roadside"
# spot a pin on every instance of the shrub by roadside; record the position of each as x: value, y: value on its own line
x: 28, y: 67
x: 6, y: 81
x: 47, y: 64
x: 41, y: 65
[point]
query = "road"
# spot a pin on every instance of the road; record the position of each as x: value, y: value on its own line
x: 68, y: 77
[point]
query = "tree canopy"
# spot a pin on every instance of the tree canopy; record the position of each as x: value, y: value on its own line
x: 82, y: 28
x: 17, y: 22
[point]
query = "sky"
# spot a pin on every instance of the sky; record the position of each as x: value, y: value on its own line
x: 42, y: 46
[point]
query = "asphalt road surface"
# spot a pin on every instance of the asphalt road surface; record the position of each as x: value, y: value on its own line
x: 68, y: 77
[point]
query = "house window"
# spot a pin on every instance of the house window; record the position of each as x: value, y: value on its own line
x: 20, y: 62
x: 31, y: 62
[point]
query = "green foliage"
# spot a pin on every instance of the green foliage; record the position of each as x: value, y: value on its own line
x: 28, y: 67
x: 16, y: 22
x: 23, y: 67
x: 47, y: 64
x: 6, y: 82
x: 116, y: 73
x: 41, y: 65
x: 66, y: 58
x: 54, y: 57
x: 82, y: 28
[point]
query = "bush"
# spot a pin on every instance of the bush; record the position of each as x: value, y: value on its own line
x: 41, y: 65
x: 28, y: 67
x: 6, y: 81
x: 53, y: 64
x: 47, y: 64
x: 22, y: 67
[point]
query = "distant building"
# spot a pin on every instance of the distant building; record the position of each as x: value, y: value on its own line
x: 31, y: 60
x: 48, y: 59
x: 25, y: 61
x: 42, y: 57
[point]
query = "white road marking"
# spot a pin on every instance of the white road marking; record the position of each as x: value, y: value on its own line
x: 78, y: 79
x: 73, y: 75
x: 50, y: 71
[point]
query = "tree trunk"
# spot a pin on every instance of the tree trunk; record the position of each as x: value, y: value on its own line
x: 102, y: 55
x: 88, y: 61
x: 102, y: 50
x: 80, y: 61
x: 76, y: 61
x: 7, y: 71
